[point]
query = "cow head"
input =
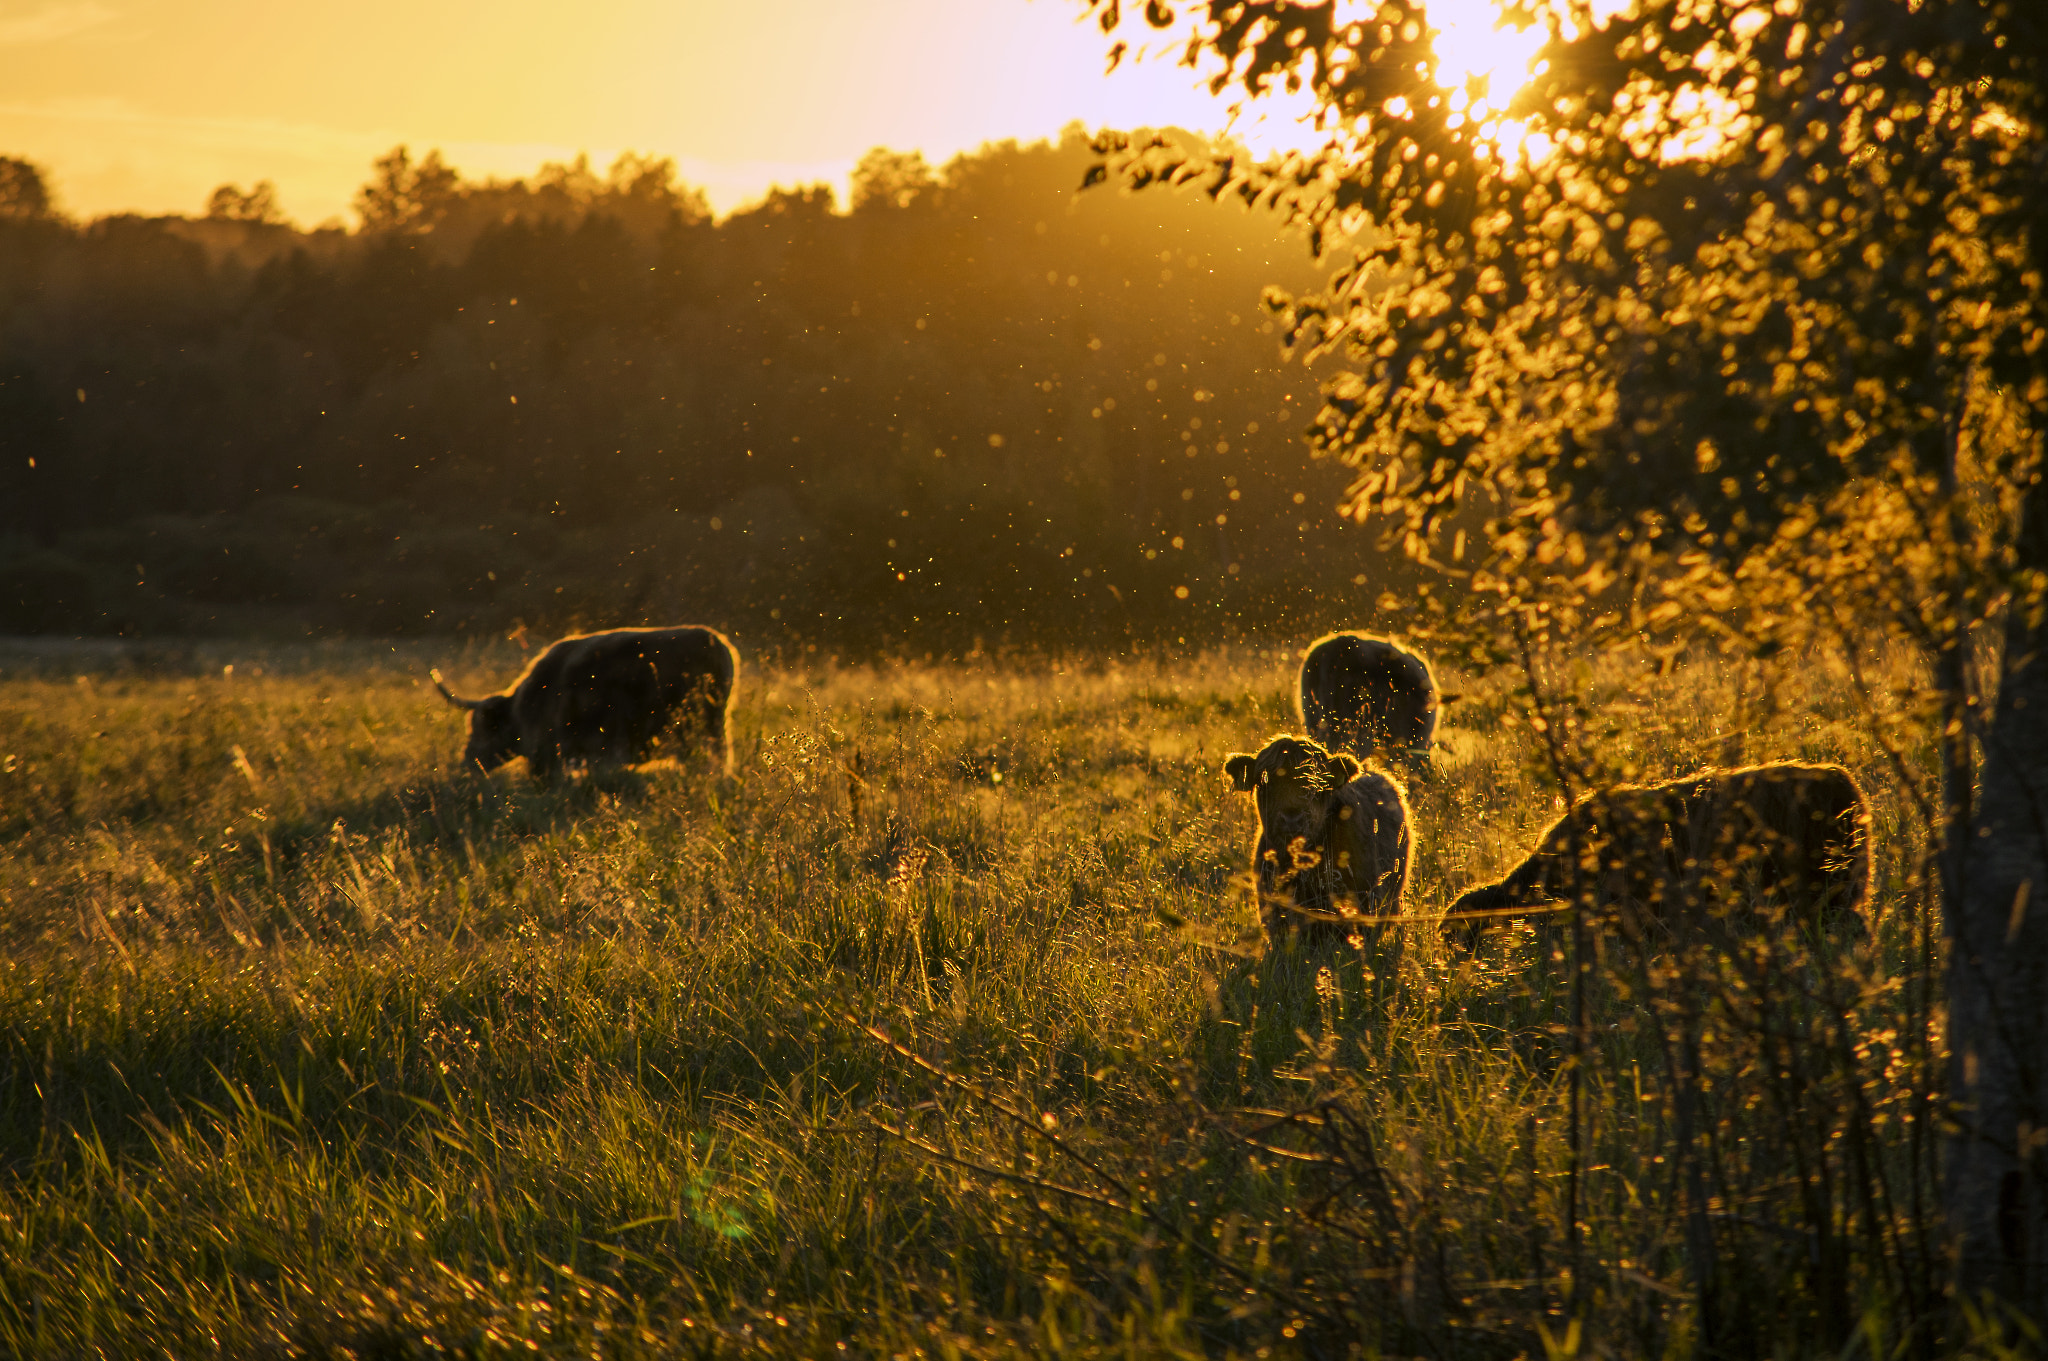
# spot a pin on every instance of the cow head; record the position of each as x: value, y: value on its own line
x: 1295, y: 782
x: 493, y: 735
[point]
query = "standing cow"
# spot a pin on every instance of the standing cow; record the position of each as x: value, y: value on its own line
x: 605, y: 699
x: 1332, y: 842
x: 1371, y: 697
x: 1795, y: 830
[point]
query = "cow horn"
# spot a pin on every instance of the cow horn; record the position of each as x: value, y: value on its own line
x: 435, y: 672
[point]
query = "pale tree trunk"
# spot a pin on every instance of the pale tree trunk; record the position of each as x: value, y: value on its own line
x: 1997, y: 1166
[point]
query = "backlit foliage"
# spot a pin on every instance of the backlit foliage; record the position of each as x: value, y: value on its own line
x: 1726, y: 325
x: 1738, y: 254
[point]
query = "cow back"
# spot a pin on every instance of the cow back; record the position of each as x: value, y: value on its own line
x: 1369, y: 844
x: 1795, y: 833
x: 1367, y: 695
x: 609, y: 696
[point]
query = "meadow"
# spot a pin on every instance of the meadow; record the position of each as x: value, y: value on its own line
x: 943, y: 1028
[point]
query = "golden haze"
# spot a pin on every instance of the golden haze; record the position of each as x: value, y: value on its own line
x: 147, y: 105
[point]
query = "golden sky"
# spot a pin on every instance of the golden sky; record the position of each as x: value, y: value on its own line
x: 147, y: 105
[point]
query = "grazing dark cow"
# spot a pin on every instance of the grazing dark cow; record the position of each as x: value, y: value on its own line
x: 1797, y: 831
x: 1333, y: 838
x: 604, y: 699
x: 1369, y: 696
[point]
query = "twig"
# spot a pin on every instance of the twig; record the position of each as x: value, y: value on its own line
x: 1130, y: 1203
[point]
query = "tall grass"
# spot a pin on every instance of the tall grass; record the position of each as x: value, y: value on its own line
x: 944, y: 1028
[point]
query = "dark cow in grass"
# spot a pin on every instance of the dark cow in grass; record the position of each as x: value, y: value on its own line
x: 1791, y: 835
x: 595, y: 699
x: 1371, y: 697
x: 1333, y: 839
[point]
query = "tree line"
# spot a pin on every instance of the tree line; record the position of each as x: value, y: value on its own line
x: 974, y: 404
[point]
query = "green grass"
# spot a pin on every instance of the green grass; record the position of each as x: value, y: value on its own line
x: 311, y: 1045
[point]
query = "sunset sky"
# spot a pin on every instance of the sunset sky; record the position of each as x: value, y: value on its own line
x: 147, y: 105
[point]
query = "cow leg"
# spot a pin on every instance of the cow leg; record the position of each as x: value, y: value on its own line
x: 712, y: 720
x: 708, y: 717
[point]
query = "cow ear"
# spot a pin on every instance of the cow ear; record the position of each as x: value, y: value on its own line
x: 1239, y: 766
x: 1343, y: 769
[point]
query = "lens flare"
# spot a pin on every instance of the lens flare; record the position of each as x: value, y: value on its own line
x: 1483, y: 61
x: 1478, y: 54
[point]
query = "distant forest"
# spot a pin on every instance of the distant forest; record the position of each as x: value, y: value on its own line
x: 974, y: 406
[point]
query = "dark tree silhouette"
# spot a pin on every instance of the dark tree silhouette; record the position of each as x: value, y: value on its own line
x: 257, y: 204
x: 406, y: 197
x: 891, y: 179
x: 23, y: 192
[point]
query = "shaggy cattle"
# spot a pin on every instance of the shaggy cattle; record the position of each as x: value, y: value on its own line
x: 1333, y: 837
x: 1791, y: 831
x: 605, y: 699
x: 1369, y: 696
